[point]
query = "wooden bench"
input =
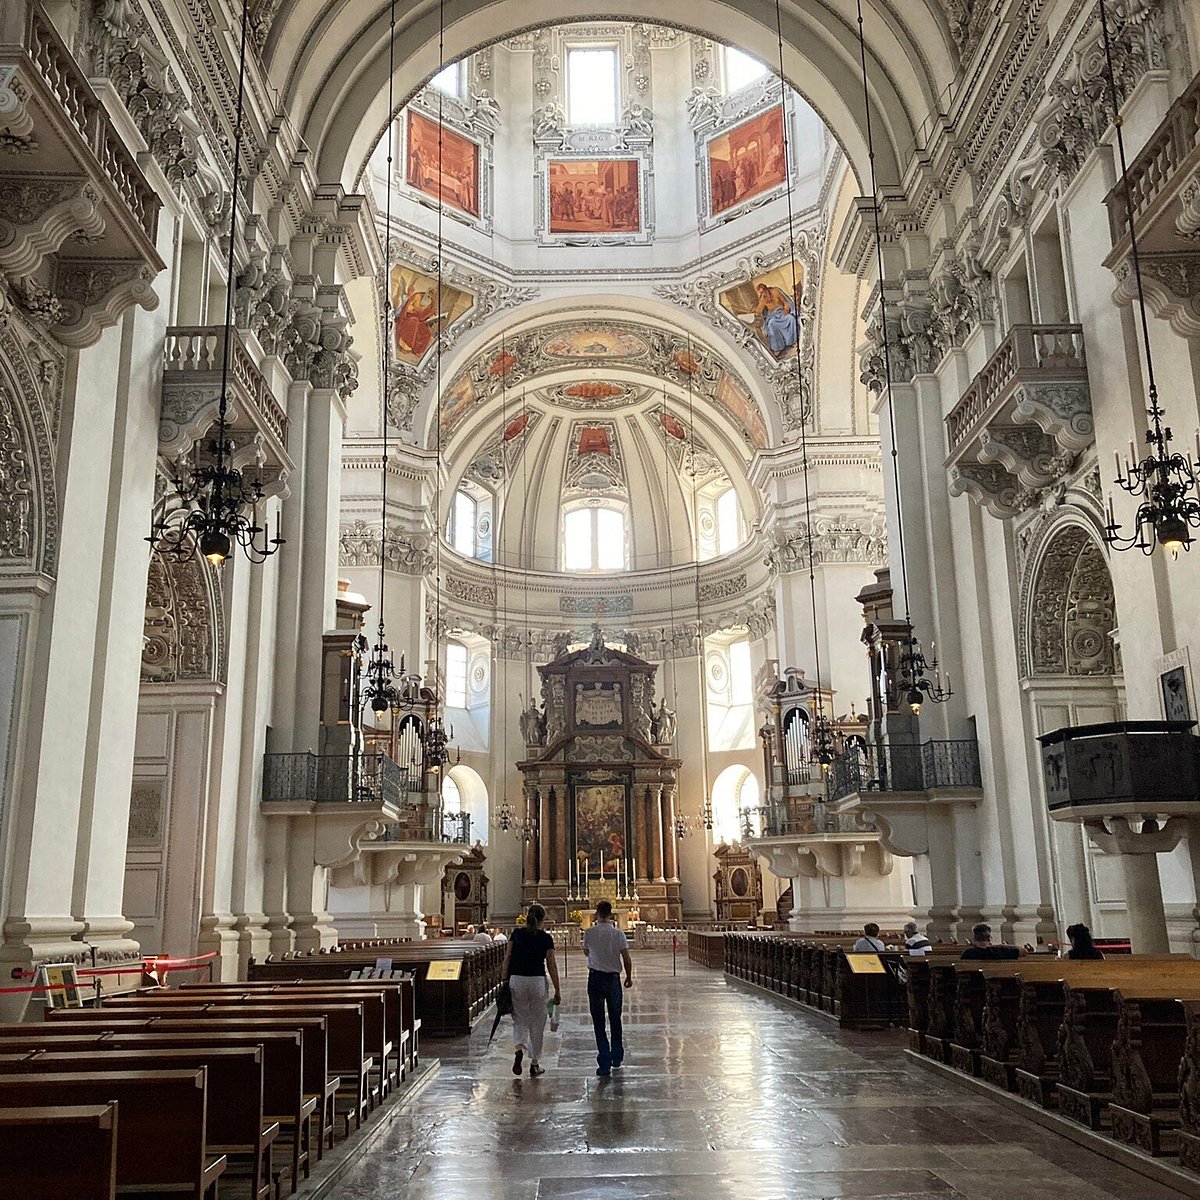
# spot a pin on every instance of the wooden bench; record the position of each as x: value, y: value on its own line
x: 1147, y: 1051
x: 234, y: 1124
x: 284, y: 1100
x: 1090, y: 1015
x: 707, y: 949
x: 320, y: 1086
x: 383, y: 1011
x: 31, y: 1148
x: 161, y: 1145
x: 345, y: 1027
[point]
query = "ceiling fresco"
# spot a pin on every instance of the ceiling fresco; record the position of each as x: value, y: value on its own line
x: 631, y: 354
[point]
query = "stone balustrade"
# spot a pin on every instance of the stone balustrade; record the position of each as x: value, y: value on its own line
x: 1023, y: 421
x: 79, y: 218
x: 193, y: 361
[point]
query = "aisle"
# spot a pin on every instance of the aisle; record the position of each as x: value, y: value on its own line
x: 725, y: 1093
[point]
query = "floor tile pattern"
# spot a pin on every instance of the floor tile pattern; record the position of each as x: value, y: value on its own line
x: 726, y: 1094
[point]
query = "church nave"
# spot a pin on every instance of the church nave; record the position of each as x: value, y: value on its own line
x: 725, y: 1093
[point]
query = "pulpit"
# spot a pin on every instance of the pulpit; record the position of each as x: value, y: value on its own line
x: 599, y: 782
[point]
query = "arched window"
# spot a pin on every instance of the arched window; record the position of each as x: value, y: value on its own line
x: 451, y: 797
x: 729, y: 522
x: 456, y: 675
x: 594, y: 539
x: 741, y: 69
x: 464, y: 521
x: 734, y: 790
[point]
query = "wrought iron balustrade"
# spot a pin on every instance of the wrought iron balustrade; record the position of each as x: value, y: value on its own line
x: 331, y: 778
x: 799, y: 818
x: 918, y: 767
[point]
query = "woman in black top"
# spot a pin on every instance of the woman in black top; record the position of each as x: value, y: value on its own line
x: 530, y: 954
x: 1082, y: 946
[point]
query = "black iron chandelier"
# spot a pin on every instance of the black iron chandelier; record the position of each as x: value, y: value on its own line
x: 380, y: 693
x: 1164, y: 479
x: 914, y: 681
x: 218, y: 501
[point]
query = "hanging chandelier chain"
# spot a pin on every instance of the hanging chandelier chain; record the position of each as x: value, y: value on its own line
x: 213, y: 493
x: 1165, y: 478
x: 913, y: 664
x: 822, y: 742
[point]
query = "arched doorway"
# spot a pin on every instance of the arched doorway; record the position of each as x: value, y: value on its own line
x: 1072, y: 676
x: 736, y: 789
x: 465, y: 805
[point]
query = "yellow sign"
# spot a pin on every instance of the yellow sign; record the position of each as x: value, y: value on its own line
x: 445, y: 970
x: 865, y: 964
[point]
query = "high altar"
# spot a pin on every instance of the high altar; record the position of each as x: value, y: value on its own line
x: 600, y: 784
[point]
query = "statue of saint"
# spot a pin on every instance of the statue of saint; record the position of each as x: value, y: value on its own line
x: 530, y: 722
x: 663, y: 726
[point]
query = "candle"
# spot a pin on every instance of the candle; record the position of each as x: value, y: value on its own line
x: 1117, y: 463
x: 1133, y: 458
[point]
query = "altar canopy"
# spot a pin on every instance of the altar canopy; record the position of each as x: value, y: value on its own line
x: 600, y: 780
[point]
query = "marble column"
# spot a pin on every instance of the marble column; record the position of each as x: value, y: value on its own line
x: 641, y: 799
x: 656, y: 835
x: 670, y: 841
x: 560, y: 836
x: 544, y: 835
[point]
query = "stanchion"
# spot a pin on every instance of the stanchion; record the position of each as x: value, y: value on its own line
x: 674, y: 946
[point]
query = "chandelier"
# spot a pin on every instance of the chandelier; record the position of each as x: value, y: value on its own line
x: 914, y: 680
x: 1165, y: 480
x: 380, y: 693
x: 218, y: 500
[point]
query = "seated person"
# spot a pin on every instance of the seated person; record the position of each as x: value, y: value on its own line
x: 869, y: 943
x: 981, y: 945
x: 915, y: 942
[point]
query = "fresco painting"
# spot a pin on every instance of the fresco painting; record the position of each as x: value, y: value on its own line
x: 448, y: 172
x: 595, y: 343
x: 769, y: 304
x: 598, y: 195
x: 415, y: 315
x: 746, y: 161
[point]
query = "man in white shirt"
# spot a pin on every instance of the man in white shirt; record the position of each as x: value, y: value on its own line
x: 915, y: 941
x: 869, y: 943
x: 479, y: 935
x: 498, y: 935
x: 607, y: 951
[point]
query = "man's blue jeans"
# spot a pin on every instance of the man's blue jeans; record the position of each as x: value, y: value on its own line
x: 604, y: 991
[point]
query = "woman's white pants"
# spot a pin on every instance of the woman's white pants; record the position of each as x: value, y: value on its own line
x: 529, y: 1012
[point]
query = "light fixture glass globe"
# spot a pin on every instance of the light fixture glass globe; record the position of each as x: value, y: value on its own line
x: 214, y: 545
x: 1172, y: 535
x: 914, y: 701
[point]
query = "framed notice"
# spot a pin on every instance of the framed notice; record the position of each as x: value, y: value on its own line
x: 865, y: 964
x: 61, y: 985
x: 445, y: 970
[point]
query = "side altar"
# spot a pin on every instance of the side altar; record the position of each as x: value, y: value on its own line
x: 600, y: 788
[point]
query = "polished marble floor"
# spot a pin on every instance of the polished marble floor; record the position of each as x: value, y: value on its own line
x: 725, y: 1093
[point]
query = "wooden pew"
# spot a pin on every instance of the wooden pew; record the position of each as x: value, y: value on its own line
x: 1147, y: 1053
x: 383, y: 1010
x: 707, y: 949
x: 320, y: 1086
x: 35, y: 1167
x: 1090, y: 1014
x: 446, y: 1008
x: 345, y: 1026
x: 234, y: 1124
x: 1189, y: 1089
x: 284, y: 1100
x: 161, y: 1145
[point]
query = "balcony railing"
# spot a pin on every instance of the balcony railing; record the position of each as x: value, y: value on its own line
x: 332, y: 779
x: 905, y: 768
x: 420, y: 823
x: 58, y: 71
x: 1164, y: 161
x: 200, y: 350
x: 1029, y: 354
x: 798, y: 818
